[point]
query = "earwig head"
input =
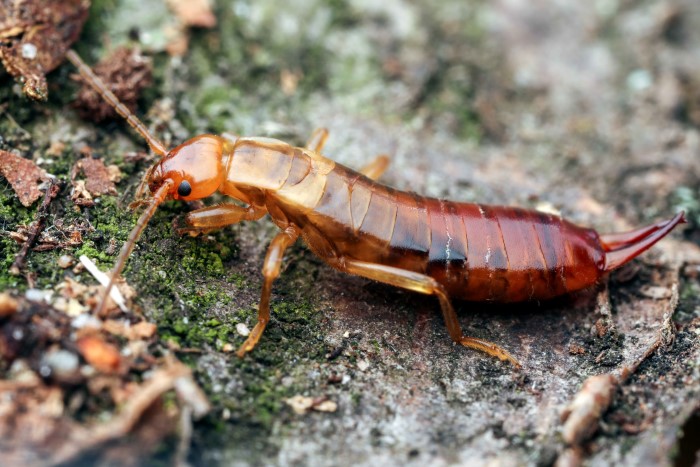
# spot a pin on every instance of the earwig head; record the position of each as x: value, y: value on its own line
x: 194, y: 167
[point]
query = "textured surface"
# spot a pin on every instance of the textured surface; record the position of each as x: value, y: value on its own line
x: 589, y: 108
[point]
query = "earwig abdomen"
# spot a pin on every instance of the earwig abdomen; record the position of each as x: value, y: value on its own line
x: 506, y: 254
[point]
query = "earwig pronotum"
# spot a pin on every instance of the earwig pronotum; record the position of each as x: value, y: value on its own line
x: 356, y: 225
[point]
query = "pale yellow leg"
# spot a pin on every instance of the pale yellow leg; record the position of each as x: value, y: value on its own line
x: 373, y: 170
x: 427, y: 285
x: 218, y: 216
x: 317, y: 140
x: 271, y: 270
x: 376, y: 168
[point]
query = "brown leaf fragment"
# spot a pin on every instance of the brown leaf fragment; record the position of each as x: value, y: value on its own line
x: 99, y: 180
x: 101, y: 355
x: 193, y: 12
x: 126, y: 72
x: 24, y: 176
x: 8, y: 305
x: 35, y: 36
x: 141, y: 330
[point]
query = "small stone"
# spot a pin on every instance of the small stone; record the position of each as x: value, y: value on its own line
x: 326, y: 406
x: 227, y: 347
x: 65, y: 261
x: 639, y: 80
x: 36, y: 295
x: 656, y: 292
x: 86, y: 320
x: 242, y: 329
x: 362, y: 365
x: 29, y: 51
x: 62, y: 363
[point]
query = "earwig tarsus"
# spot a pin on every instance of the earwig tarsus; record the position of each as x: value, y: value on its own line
x: 356, y: 225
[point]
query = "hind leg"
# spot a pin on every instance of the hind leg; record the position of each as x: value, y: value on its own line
x: 376, y: 168
x: 373, y: 170
x: 427, y: 285
x: 317, y: 140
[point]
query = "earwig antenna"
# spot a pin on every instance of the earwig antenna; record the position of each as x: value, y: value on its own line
x: 101, y: 88
x: 158, y: 197
x: 139, y: 196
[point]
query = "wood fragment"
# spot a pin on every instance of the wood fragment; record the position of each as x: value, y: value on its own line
x: 582, y: 416
x: 37, y: 227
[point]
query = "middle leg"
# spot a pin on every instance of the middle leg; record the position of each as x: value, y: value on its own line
x: 271, y: 270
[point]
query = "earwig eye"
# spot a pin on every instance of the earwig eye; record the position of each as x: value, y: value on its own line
x: 184, y: 189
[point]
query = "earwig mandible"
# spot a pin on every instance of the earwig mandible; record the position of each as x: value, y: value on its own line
x: 356, y: 225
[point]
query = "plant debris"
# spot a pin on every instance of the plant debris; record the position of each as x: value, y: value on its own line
x: 102, y: 355
x: 45, y: 383
x: 126, y: 72
x: 189, y: 13
x: 303, y: 404
x: 193, y: 12
x: 581, y: 417
x: 36, y: 228
x: 35, y: 36
x: 61, y: 236
x: 25, y: 177
x: 99, y: 180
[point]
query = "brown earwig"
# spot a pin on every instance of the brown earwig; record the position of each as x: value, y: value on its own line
x: 461, y: 250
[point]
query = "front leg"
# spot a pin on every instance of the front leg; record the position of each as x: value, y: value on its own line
x: 218, y: 216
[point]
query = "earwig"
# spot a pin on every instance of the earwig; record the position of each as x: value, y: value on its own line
x: 356, y: 225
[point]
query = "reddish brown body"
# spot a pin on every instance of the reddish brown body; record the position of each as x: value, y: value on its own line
x: 477, y: 252
x: 356, y: 225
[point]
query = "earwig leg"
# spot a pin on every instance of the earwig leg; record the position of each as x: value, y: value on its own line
x: 271, y: 270
x: 218, y: 216
x: 317, y: 140
x: 427, y: 285
x: 376, y: 168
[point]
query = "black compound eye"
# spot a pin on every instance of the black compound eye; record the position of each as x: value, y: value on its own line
x: 184, y: 189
